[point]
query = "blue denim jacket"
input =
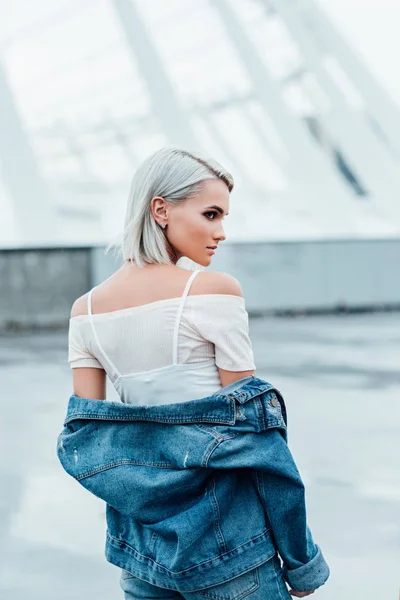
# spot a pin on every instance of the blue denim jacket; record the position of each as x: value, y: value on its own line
x: 197, y: 492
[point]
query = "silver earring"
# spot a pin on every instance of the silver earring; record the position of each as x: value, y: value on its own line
x: 163, y: 226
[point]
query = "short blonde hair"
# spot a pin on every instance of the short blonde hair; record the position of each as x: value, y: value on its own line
x: 174, y: 175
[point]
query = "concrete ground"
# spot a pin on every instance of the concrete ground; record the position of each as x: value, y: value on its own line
x: 340, y: 376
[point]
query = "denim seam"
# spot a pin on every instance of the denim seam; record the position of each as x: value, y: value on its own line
x: 273, y: 423
x: 211, y: 448
x: 261, y: 424
x: 119, y: 542
x: 217, y: 513
x: 152, y: 418
x: 216, y: 435
x: 255, y: 584
x: 277, y: 580
x: 246, y: 396
x: 119, y: 463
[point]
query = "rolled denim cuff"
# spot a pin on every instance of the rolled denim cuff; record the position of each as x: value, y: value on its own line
x: 309, y: 576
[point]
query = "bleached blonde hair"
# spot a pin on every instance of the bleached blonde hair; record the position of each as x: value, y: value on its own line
x: 175, y: 175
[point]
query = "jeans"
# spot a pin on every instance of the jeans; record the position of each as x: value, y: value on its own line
x: 265, y: 582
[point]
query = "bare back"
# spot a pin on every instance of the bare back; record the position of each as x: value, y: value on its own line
x: 132, y: 286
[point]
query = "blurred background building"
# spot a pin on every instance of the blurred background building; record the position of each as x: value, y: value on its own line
x: 276, y: 90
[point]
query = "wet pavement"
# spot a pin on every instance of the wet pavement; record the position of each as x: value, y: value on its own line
x: 340, y: 376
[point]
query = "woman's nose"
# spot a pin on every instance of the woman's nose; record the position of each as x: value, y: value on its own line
x: 221, y: 234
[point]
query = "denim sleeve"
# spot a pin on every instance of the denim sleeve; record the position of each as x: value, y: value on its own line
x: 282, y: 493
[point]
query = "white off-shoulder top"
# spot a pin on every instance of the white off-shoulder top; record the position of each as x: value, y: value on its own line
x: 166, y: 351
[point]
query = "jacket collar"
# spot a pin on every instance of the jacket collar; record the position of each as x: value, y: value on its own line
x: 219, y: 408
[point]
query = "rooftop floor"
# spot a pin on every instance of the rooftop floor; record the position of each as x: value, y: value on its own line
x: 340, y: 376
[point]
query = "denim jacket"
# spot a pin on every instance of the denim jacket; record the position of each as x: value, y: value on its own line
x: 196, y: 492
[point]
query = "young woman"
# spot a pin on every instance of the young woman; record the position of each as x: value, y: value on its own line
x: 166, y: 335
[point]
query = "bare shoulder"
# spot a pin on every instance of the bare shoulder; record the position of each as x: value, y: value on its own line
x: 216, y: 282
x: 79, y: 307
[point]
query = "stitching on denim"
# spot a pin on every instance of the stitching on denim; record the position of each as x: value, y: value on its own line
x: 152, y: 418
x: 210, y: 451
x: 275, y: 423
x: 260, y: 414
x: 277, y: 580
x: 117, y: 542
x: 247, y: 395
x: 210, y: 448
x: 119, y: 463
x: 217, y: 513
x: 255, y: 584
x: 211, y: 431
x: 217, y: 435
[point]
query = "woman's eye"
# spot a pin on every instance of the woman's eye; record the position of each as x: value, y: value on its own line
x: 210, y: 213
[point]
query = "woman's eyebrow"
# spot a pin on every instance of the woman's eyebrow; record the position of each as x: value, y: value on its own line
x: 218, y: 208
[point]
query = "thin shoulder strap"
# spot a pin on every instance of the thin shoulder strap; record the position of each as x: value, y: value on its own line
x: 178, y: 316
x: 100, y: 347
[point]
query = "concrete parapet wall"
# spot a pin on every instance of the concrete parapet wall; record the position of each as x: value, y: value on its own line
x: 316, y: 275
x: 38, y: 286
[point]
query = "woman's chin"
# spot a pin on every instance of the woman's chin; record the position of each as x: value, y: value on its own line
x: 203, y: 261
x: 206, y: 261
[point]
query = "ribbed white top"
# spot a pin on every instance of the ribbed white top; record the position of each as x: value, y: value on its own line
x: 189, y: 335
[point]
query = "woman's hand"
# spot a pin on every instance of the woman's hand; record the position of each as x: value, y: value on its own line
x: 301, y: 594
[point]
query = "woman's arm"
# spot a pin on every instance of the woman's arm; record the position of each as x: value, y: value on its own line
x: 89, y: 382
